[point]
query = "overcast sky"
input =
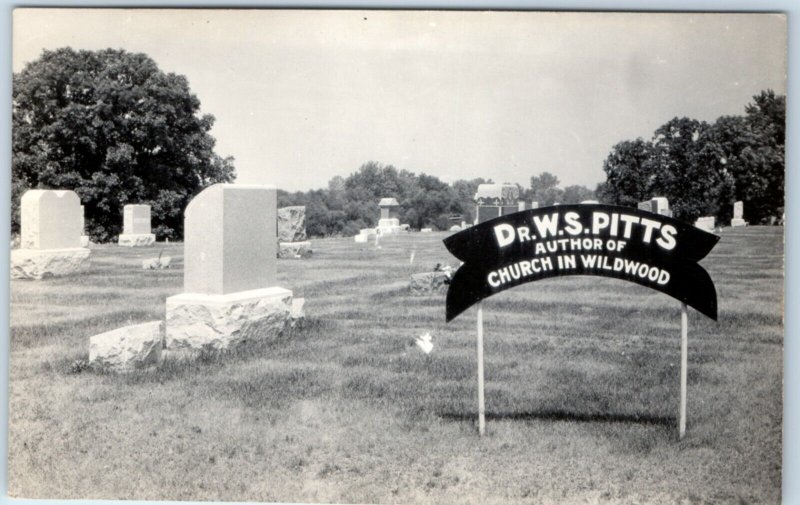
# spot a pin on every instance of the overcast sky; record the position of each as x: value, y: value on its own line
x: 302, y: 96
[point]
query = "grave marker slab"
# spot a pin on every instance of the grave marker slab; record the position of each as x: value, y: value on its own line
x: 230, y: 254
x: 50, y: 237
x: 136, y: 226
x: 738, y: 214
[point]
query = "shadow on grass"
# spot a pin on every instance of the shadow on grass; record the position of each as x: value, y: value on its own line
x: 554, y: 415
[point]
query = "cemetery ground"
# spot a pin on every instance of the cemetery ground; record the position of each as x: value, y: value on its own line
x: 582, y: 388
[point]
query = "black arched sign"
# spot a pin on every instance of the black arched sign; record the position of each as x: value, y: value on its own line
x: 655, y: 251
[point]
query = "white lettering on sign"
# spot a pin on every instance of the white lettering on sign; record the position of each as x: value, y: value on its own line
x: 552, y: 225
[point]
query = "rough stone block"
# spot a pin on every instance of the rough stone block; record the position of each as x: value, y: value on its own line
x: 198, y: 322
x: 139, y: 240
x: 429, y: 282
x: 292, y: 224
x: 41, y: 263
x: 294, y: 250
x: 157, y: 263
x: 128, y: 348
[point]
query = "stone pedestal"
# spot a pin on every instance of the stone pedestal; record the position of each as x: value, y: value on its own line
x: 216, y: 322
x: 738, y: 222
x: 41, y: 263
x: 137, y: 239
x: 389, y: 226
x: 294, y: 250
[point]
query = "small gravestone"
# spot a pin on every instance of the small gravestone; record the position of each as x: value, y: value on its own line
x: 707, y: 223
x: 646, y: 206
x: 364, y: 235
x: 50, y: 238
x: 136, y: 227
x: 230, y: 255
x: 738, y: 214
x: 426, y: 230
x: 660, y: 206
x: 292, y: 241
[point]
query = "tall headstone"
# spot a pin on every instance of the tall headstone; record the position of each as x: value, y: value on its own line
x: 50, y: 235
x: 738, y: 214
x: 230, y: 254
x: 495, y: 200
x: 136, y: 226
x: 292, y: 241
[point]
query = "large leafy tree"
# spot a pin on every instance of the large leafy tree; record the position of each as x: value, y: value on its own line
x: 629, y: 173
x: 115, y: 129
x: 704, y: 168
x: 544, y: 189
x: 679, y: 172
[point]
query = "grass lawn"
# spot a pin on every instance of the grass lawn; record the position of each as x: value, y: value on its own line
x: 582, y: 384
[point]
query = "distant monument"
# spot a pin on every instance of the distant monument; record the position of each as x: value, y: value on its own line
x: 495, y: 200
x: 230, y: 255
x: 389, y: 222
x: 738, y: 215
x: 656, y: 205
x: 136, y: 227
x: 50, y: 238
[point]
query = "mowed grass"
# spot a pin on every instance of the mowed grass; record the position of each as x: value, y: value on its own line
x: 582, y: 386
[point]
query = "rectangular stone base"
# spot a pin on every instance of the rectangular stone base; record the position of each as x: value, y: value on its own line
x: 295, y: 250
x: 738, y: 222
x: 41, y: 263
x: 198, y: 322
x: 137, y: 240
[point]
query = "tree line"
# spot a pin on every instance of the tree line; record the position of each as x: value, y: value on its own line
x: 114, y: 128
x: 704, y: 168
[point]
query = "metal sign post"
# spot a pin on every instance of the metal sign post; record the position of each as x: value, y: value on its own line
x: 684, y: 353
x: 481, y: 406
